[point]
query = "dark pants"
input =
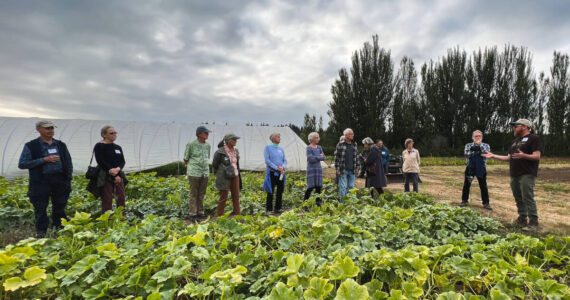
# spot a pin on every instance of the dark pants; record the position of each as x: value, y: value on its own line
x: 482, y: 186
x: 310, y: 190
x: 414, y: 178
x: 54, y: 186
x: 108, y: 190
x: 275, y: 182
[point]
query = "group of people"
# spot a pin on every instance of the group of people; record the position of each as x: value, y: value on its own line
x: 225, y: 165
x: 523, y: 156
x: 372, y: 164
x: 51, y: 169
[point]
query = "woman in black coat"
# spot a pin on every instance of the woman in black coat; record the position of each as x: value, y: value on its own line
x: 375, y: 179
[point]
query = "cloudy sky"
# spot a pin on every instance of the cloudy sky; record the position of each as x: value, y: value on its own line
x: 234, y: 61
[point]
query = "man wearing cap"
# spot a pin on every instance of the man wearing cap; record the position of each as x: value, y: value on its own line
x: 51, y: 170
x: 196, y: 158
x: 523, y: 157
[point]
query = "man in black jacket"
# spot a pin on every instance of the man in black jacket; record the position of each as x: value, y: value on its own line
x: 50, y: 168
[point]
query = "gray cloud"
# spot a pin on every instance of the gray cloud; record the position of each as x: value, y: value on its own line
x: 234, y: 61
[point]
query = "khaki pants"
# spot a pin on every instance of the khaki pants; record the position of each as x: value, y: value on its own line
x: 198, y: 186
x: 523, y: 191
x: 234, y: 188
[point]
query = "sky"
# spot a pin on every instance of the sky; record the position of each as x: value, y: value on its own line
x: 235, y: 61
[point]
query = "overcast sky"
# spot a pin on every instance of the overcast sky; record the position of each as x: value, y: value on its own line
x: 235, y: 61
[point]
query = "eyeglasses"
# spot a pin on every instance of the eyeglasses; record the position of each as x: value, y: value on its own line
x: 112, y: 133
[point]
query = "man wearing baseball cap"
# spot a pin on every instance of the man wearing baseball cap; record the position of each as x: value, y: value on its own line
x: 51, y: 170
x: 523, y: 157
x: 196, y: 159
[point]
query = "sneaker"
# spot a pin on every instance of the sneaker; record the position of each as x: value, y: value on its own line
x: 463, y: 203
x: 487, y: 207
x: 201, y: 217
x: 194, y: 219
x: 277, y: 211
x: 532, y: 225
x: 531, y: 228
x: 40, y: 235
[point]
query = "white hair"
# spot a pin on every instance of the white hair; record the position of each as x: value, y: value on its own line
x: 312, y: 135
x: 273, y: 135
x: 346, y: 131
x: 477, y: 131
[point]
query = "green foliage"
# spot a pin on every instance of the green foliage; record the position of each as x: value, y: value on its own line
x: 399, y: 246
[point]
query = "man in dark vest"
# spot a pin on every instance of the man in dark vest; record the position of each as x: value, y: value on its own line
x: 51, y: 170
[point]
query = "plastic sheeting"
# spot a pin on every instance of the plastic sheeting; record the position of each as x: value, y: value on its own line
x: 146, y: 145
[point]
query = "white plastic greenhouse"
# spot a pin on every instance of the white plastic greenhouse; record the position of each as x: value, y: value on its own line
x: 146, y: 145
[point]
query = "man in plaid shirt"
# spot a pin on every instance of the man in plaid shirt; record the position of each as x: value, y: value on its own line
x: 476, y: 167
x: 346, y: 162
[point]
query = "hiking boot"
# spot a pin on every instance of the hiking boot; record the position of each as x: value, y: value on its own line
x: 201, y: 217
x: 520, y: 221
x: 463, y: 203
x: 487, y: 207
x: 532, y: 225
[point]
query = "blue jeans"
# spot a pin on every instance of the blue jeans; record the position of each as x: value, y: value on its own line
x: 346, y: 182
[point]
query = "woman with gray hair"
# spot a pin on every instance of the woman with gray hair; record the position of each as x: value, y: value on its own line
x: 315, y: 155
x: 411, y: 165
x: 111, y: 161
x: 367, y: 142
x: 275, y: 175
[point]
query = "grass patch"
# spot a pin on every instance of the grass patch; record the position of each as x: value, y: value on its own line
x: 555, y: 188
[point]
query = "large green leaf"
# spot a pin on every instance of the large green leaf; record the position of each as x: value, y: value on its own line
x: 551, y: 288
x: 450, y: 296
x: 343, y: 268
x: 282, y: 292
x: 319, y: 288
x: 350, y: 290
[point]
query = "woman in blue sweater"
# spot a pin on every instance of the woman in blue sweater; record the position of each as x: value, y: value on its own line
x: 275, y: 176
x: 315, y: 155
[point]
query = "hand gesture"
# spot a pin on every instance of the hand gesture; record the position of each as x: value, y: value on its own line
x: 487, y: 155
x: 51, y: 159
x: 518, y: 155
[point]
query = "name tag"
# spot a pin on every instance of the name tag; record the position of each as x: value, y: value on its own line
x: 117, y: 151
x: 207, y: 155
x: 383, y: 152
x: 413, y: 154
x: 52, y: 151
x: 226, y: 158
x: 525, y: 139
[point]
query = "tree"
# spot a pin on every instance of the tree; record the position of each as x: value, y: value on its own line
x: 309, y: 125
x: 405, y: 102
x: 362, y: 100
x: 523, y: 96
x: 481, y: 84
x: 557, y: 108
x: 444, y: 88
x: 540, y: 103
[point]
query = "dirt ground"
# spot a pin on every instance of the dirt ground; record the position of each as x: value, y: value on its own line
x: 552, y: 192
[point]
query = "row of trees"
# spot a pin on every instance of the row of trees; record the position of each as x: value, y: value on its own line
x: 448, y: 99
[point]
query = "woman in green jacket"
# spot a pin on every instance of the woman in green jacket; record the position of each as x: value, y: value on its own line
x: 226, y: 168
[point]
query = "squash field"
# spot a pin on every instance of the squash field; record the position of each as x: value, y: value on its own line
x: 399, y: 246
